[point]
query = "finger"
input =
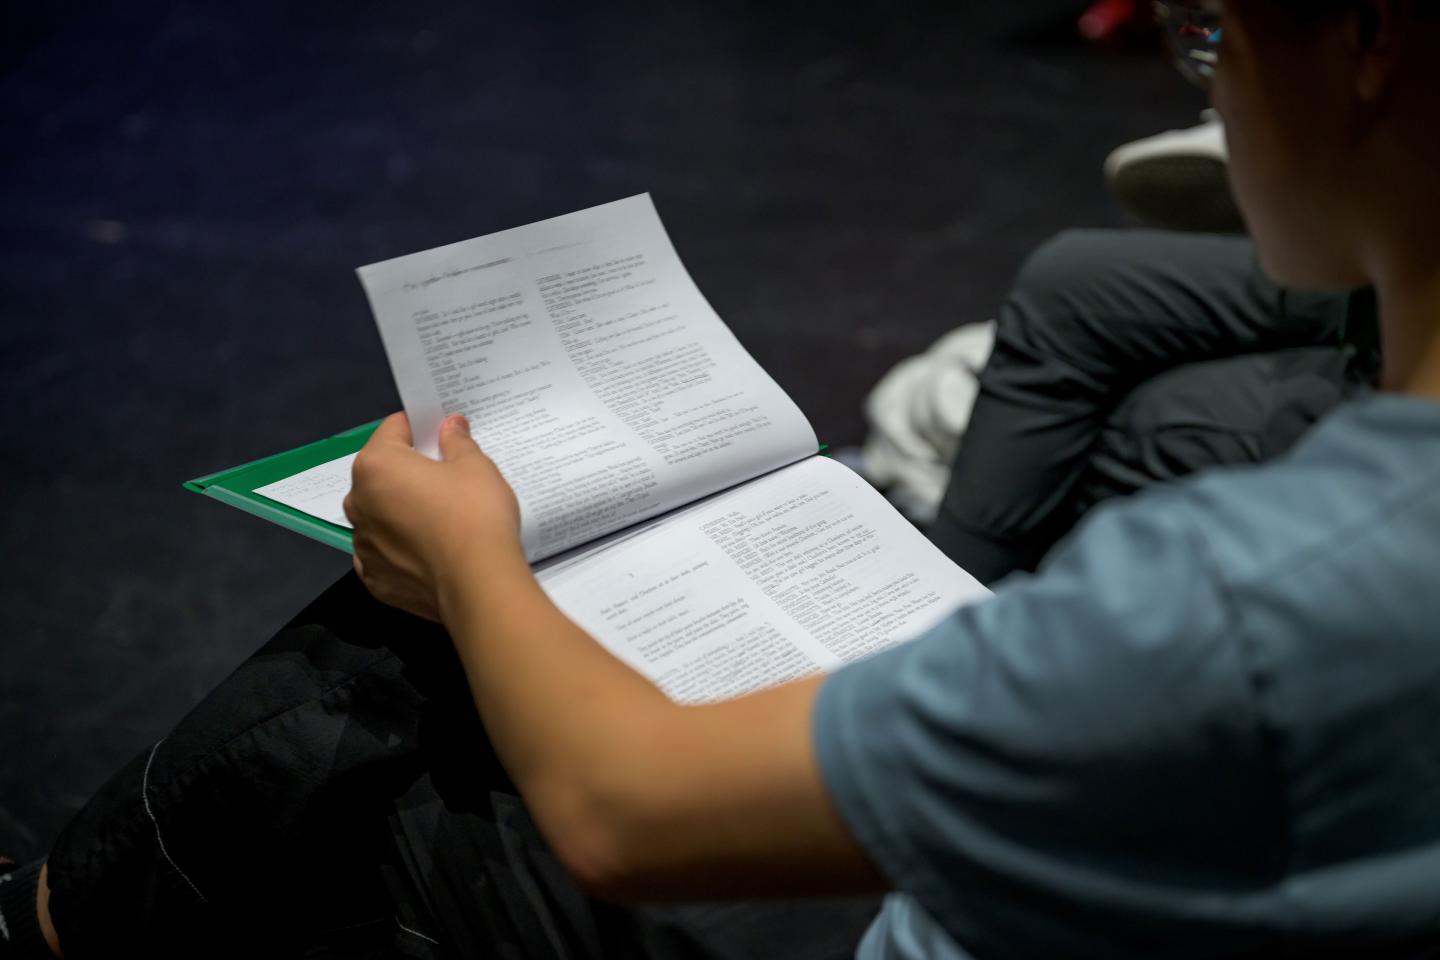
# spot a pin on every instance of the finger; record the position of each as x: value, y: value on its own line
x: 394, y: 429
x: 347, y: 505
x: 359, y: 566
x: 455, y: 439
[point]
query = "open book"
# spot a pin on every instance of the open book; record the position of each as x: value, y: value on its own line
x: 671, y: 494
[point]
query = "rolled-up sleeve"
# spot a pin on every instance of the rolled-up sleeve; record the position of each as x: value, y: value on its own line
x: 1073, y: 767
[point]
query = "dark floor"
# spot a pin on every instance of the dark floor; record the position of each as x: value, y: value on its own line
x: 186, y: 188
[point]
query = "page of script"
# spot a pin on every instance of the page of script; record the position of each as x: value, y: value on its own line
x: 793, y: 574
x: 590, y: 366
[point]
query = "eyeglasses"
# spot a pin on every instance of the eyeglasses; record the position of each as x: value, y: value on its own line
x: 1193, y: 31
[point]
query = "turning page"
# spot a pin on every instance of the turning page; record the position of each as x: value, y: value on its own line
x: 788, y: 575
x: 591, y: 369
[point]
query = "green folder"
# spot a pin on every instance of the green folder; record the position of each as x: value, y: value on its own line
x: 236, y: 486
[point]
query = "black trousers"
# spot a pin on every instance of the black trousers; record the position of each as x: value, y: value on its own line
x: 337, y: 796
x: 1129, y: 358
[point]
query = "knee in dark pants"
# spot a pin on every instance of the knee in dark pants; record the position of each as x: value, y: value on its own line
x: 1067, y: 261
x: 1119, y: 270
x: 1064, y: 294
x: 1107, y: 308
x: 1088, y: 270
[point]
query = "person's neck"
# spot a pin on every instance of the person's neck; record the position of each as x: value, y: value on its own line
x: 1410, y: 331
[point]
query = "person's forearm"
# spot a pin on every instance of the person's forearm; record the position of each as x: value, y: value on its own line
x: 574, y: 725
x: 637, y: 796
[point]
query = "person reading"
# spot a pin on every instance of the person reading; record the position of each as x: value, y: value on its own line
x: 1203, y: 728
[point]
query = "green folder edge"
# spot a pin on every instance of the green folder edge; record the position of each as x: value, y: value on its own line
x: 236, y: 486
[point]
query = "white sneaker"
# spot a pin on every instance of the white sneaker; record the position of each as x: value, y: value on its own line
x: 1177, y: 180
x: 917, y: 414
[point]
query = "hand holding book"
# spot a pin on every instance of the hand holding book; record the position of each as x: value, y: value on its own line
x: 417, y: 519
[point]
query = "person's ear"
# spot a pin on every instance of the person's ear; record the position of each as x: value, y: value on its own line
x: 1377, y: 28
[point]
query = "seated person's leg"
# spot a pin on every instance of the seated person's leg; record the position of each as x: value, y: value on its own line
x: 263, y: 813
x: 338, y: 793
x: 1093, y: 315
x: 1239, y: 410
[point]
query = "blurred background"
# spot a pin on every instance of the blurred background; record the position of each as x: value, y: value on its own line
x: 186, y: 189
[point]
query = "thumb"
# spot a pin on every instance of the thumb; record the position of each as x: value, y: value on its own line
x: 455, y: 439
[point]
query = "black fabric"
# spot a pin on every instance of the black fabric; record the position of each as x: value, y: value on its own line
x: 260, y: 818
x: 337, y: 797
x: 1128, y: 358
x: 481, y: 882
x: 20, y: 936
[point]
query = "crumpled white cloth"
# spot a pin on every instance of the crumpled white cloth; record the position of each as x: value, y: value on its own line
x: 917, y: 414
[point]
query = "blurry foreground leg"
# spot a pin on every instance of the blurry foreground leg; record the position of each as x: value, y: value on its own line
x: 337, y: 797
x: 258, y: 822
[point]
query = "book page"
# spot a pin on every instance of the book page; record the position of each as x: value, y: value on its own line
x: 793, y: 573
x: 319, y: 491
x: 591, y: 369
